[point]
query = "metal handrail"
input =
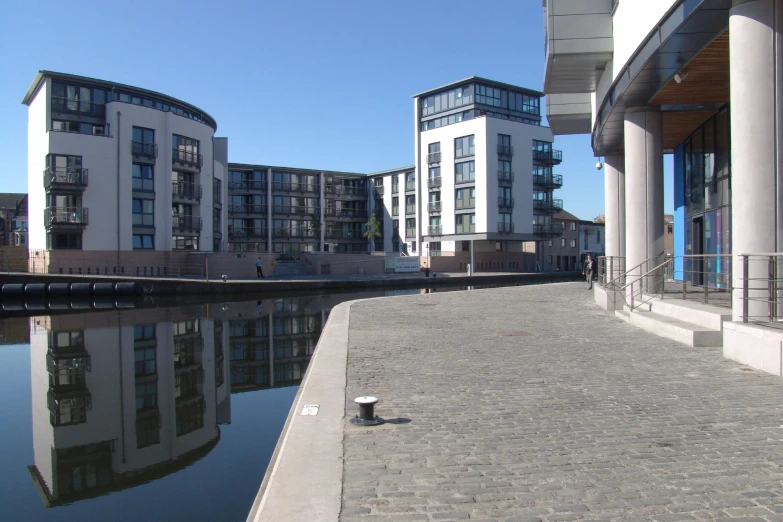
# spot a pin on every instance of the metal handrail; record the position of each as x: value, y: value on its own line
x: 768, y: 295
x: 189, y: 158
x: 65, y: 175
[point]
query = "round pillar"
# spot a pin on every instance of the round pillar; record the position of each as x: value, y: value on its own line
x: 614, y: 213
x: 643, y: 191
x: 756, y: 104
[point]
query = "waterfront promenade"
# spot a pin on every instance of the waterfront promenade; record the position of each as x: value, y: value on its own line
x: 525, y: 403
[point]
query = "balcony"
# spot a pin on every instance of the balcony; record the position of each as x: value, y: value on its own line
x: 347, y: 213
x: 140, y: 149
x: 295, y: 211
x: 465, y: 203
x: 379, y: 190
x: 505, y: 228
x: 184, y: 191
x: 554, y: 181
x: 433, y: 206
x: 410, y: 232
x: 65, y: 217
x: 410, y: 209
x: 345, y: 235
x: 433, y: 157
x: 299, y: 232
x: 244, y: 210
x: 247, y: 186
x: 185, y: 224
x: 434, y: 182
x: 74, y: 106
x: 555, y: 205
x: 188, y: 160
x: 505, y: 150
x: 246, y: 233
x: 65, y: 178
x: 551, y: 157
x: 434, y: 230
x: 505, y: 176
x: 341, y: 190
x: 280, y: 186
x: 548, y: 230
x: 505, y: 202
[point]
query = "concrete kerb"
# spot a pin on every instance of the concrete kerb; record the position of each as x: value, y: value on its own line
x: 312, y: 438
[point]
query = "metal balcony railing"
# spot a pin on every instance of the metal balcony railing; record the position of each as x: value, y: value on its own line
x: 74, y: 106
x: 548, y: 230
x: 246, y: 209
x: 549, y: 181
x: 281, y: 186
x: 434, y: 230
x: 65, y: 178
x: 433, y: 206
x: 433, y: 157
x: 185, y: 223
x: 247, y: 185
x: 144, y: 150
x: 505, y: 150
x: 297, y: 232
x: 246, y: 233
x: 347, y: 213
x: 294, y: 210
x: 505, y: 228
x: 410, y: 209
x: 186, y: 190
x: 346, y: 235
x: 554, y: 205
x: 65, y: 216
x: 505, y: 202
x: 434, y: 182
x: 340, y: 190
x: 505, y: 176
x: 191, y: 159
x: 549, y: 156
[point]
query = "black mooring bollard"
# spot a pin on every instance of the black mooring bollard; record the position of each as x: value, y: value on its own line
x: 367, y: 415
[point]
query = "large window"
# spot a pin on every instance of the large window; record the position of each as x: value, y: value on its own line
x: 465, y: 172
x: 465, y: 198
x: 144, y: 142
x: 64, y: 241
x: 143, y: 212
x: 465, y: 223
x: 78, y: 99
x: 143, y: 242
x: 464, y: 147
x: 446, y: 100
x: 143, y: 177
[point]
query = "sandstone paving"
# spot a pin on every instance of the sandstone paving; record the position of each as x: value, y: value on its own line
x: 532, y: 404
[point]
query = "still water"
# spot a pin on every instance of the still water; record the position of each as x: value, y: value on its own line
x: 151, y: 413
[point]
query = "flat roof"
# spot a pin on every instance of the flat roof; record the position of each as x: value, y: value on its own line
x: 42, y: 75
x: 392, y: 171
x: 482, y: 80
x: 248, y: 166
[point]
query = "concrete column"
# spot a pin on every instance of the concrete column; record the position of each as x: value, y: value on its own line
x: 643, y: 190
x: 756, y: 103
x: 269, y: 228
x: 614, y: 212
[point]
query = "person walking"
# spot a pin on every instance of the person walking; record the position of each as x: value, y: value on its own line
x: 588, y: 270
x: 259, y: 264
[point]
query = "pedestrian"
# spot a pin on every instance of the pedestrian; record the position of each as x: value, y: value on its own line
x: 259, y: 263
x: 588, y: 269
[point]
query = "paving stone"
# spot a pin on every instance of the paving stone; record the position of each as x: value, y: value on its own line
x: 524, y: 401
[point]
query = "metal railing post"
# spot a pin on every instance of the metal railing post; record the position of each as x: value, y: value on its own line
x: 744, y: 288
x: 772, y: 265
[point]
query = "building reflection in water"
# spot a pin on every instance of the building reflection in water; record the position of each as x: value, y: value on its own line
x: 121, y: 398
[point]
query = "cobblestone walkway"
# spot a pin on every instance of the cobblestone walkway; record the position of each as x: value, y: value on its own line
x: 531, y: 403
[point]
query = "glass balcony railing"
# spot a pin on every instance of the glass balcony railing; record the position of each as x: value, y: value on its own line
x: 505, y: 228
x: 434, y: 182
x: 410, y: 232
x: 295, y: 210
x: 281, y: 186
x: 185, y: 223
x: 434, y: 230
x: 142, y: 149
x: 433, y: 206
x: 433, y: 157
x: 410, y: 209
x: 65, y: 216
x: 184, y: 190
x: 65, y: 178
x: 187, y: 158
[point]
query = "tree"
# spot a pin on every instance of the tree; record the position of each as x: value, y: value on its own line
x: 315, y: 224
x: 372, y: 229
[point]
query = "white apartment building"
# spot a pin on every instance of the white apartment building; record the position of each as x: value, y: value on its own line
x: 144, y: 165
x: 482, y: 175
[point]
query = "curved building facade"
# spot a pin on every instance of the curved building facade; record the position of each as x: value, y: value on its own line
x: 123, y: 173
x: 701, y: 80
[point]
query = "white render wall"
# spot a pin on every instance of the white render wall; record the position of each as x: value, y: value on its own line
x: 99, y: 156
x: 633, y: 21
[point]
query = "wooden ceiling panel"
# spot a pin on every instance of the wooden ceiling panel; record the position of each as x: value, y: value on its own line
x: 679, y: 125
x: 707, y: 80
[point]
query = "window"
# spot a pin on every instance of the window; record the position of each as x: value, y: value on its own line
x: 598, y: 235
x: 396, y: 227
x: 78, y: 127
x: 143, y: 242
x: 573, y: 226
x: 465, y: 172
x: 410, y: 227
x: 217, y: 188
x: 466, y: 246
x: 143, y: 177
x: 572, y: 243
x: 434, y: 248
x: 586, y: 236
x: 550, y: 259
x: 395, y: 206
x: 465, y: 223
x: 64, y: 241
x: 143, y: 212
x: 465, y: 198
x: 184, y: 243
x: 669, y: 230
x: 463, y: 146
x: 562, y: 242
x: 413, y: 246
x: 550, y: 242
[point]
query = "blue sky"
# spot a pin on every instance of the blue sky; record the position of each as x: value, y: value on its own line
x: 308, y: 84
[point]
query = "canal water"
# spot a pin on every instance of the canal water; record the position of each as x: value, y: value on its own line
x: 151, y: 413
